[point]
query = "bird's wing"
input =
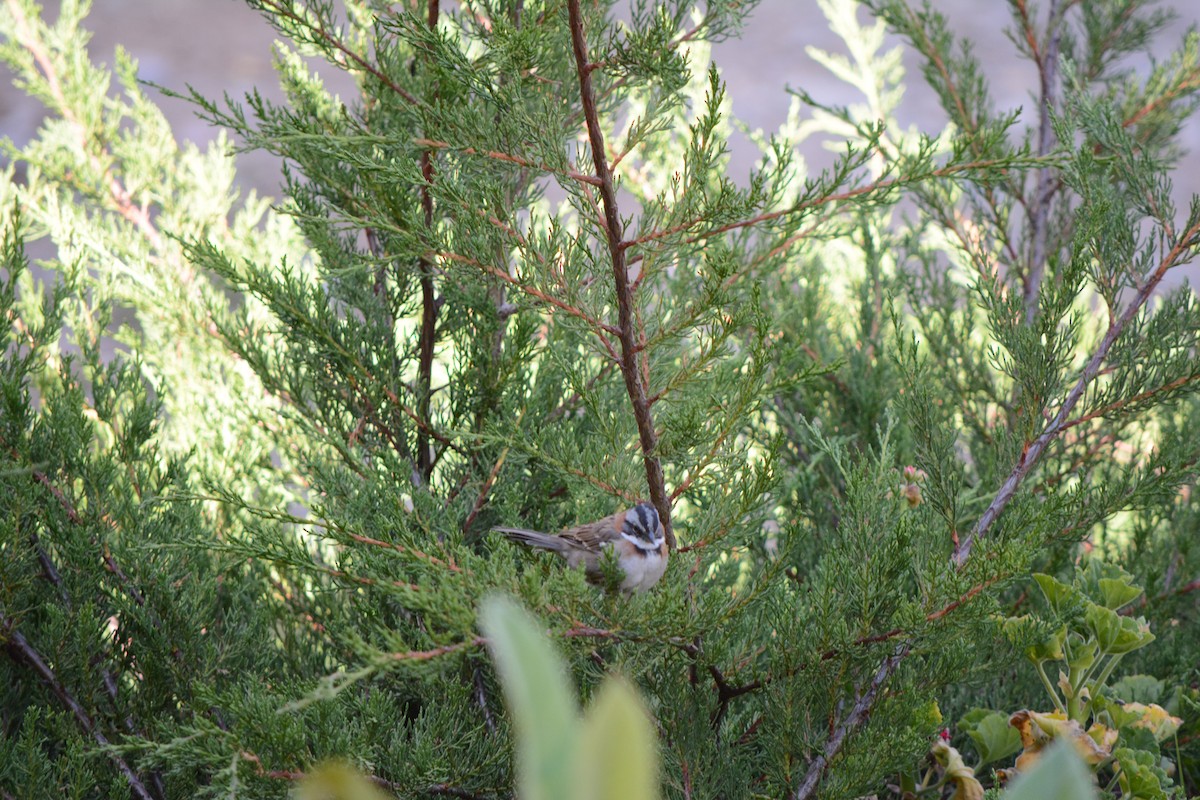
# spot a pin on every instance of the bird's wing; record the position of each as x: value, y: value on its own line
x: 594, y: 535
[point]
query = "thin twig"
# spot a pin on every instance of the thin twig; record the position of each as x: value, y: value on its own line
x: 1033, y: 450
x: 399, y: 548
x: 283, y: 10
x: 508, y: 157
x: 882, y: 185
x: 21, y: 651
x: 625, y: 311
x: 446, y: 790
x: 139, y: 216
x: 72, y: 514
x: 851, y: 723
x: 571, y: 402
x: 597, y: 326
x: 960, y: 115
x: 482, y: 699
x: 1039, y: 205
x: 1186, y: 86
x: 481, y: 498
x: 426, y: 655
x: 106, y: 677
x: 1137, y: 398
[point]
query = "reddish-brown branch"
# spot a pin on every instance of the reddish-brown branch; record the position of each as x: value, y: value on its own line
x: 1027, y: 30
x: 426, y: 655
x: 106, y: 677
x: 751, y: 729
x: 787, y: 244
x: 484, y: 490
x: 974, y: 590
x: 1137, y: 398
x: 112, y: 566
x: 883, y: 185
x: 139, y: 216
x: 589, y: 632
x: 686, y: 483
x: 963, y: 119
x: 398, y: 445
x: 395, y: 400
x: 1188, y: 587
x: 361, y: 581
x: 109, y: 562
x: 1190, y: 84
x: 283, y: 10
x: 399, y: 548
x: 625, y: 310
x: 72, y: 514
x: 604, y: 486
x: 932, y: 616
x: 571, y: 402
x: 1033, y: 450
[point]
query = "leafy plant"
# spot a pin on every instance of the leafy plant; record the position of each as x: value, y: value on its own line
x: 1115, y: 726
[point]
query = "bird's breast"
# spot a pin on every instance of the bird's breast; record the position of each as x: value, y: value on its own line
x: 642, y: 569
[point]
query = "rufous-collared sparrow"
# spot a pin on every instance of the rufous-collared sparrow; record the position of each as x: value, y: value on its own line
x: 635, y: 535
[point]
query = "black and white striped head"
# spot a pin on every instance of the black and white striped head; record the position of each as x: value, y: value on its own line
x: 642, y: 527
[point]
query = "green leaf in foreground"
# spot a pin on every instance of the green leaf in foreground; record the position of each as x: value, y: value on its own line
x: 1059, y: 776
x: 543, y: 708
x: 619, y: 747
x: 612, y: 754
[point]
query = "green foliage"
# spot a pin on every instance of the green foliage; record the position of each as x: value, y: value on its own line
x: 251, y: 451
x: 1117, y: 727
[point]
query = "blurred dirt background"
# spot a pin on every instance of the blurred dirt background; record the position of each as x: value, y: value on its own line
x: 221, y: 46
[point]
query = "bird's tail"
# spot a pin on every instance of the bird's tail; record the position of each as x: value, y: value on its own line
x: 533, y: 539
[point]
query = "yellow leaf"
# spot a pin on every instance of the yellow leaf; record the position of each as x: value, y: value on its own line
x: 966, y: 785
x: 1155, y: 719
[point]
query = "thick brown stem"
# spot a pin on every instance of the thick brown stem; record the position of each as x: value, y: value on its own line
x: 630, y: 366
x: 429, y: 310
